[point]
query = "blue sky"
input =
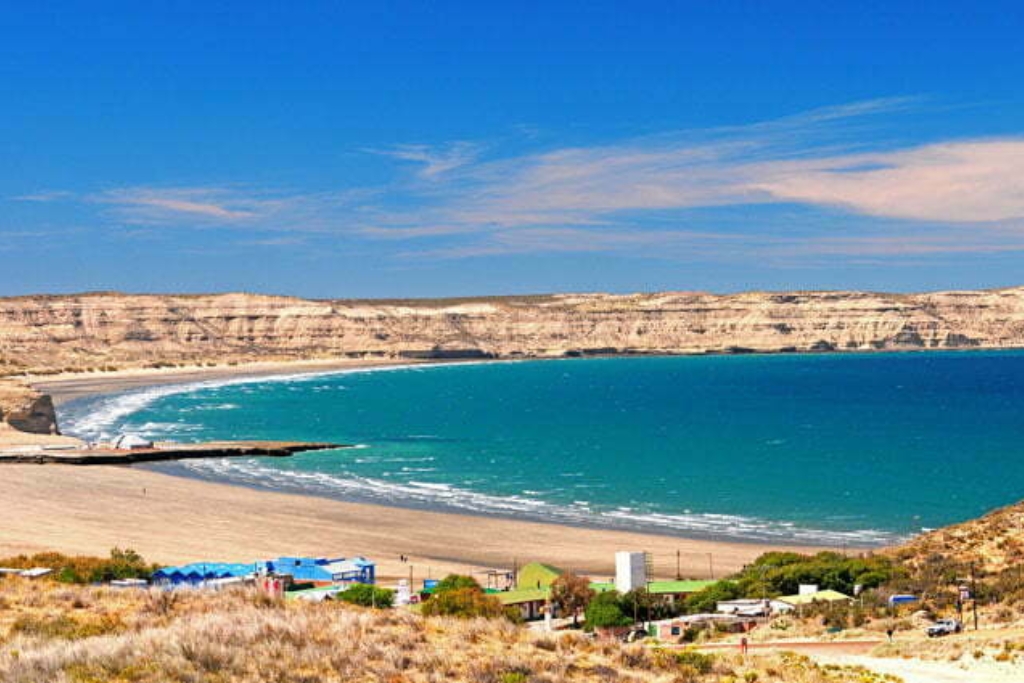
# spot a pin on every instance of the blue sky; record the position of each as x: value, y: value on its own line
x: 456, y: 148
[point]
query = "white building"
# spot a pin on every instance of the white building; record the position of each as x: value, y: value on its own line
x: 630, y: 571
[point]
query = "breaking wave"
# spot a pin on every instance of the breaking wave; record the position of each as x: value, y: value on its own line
x: 446, y: 497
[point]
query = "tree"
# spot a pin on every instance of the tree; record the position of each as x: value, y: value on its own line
x: 605, y: 610
x: 571, y: 594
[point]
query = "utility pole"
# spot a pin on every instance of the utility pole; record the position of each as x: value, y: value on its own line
x: 711, y: 566
x: 679, y: 574
x: 974, y: 595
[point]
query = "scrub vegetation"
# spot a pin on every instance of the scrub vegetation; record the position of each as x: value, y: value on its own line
x: 59, y: 633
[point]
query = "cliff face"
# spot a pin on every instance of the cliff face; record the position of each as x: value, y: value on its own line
x: 25, y: 409
x: 46, y: 334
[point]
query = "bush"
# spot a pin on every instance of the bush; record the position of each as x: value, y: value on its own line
x: 463, y: 602
x: 700, y: 662
x: 605, y: 610
x: 454, y: 581
x: 122, y: 564
x: 368, y: 596
x: 706, y: 600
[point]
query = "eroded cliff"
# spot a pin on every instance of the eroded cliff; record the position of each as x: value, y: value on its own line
x: 25, y: 409
x: 46, y: 334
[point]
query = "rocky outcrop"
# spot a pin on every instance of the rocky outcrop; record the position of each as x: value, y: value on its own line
x: 46, y: 334
x: 26, y: 410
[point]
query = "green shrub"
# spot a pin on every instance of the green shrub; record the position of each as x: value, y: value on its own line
x: 454, y: 581
x: 463, y: 602
x: 368, y: 596
x: 605, y: 610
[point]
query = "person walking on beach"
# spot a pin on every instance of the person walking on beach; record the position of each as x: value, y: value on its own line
x: 744, y: 646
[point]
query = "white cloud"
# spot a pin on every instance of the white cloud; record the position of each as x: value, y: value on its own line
x: 633, y: 196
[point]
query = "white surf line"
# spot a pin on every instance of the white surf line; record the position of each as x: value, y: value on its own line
x: 104, y: 413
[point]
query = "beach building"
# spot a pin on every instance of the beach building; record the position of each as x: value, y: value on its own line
x: 753, y: 607
x: 631, y: 570
x: 810, y: 597
x: 532, y: 593
x: 532, y: 603
x: 537, y: 575
x: 675, y: 628
x: 206, y: 574
x: 322, y: 570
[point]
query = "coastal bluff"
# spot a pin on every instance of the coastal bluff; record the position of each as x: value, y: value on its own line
x: 42, y: 335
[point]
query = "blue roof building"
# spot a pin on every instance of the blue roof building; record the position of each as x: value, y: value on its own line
x: 198, y: 573
x: 324, y: 570
x: 301, y: 569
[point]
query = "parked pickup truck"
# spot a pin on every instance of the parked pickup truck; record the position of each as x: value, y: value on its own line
x: 944, y: 627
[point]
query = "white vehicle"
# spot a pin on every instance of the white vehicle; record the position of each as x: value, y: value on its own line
x: 944, y: 627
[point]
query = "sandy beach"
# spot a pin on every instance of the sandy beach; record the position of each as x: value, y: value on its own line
x: 87, y: 510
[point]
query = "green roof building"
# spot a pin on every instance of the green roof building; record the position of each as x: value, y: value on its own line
x: 537, y: 575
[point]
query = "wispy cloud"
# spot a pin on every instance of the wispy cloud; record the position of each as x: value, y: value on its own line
x: 45, y: 196
x: 155, y: 205
x: 872, y: 195
x: 434, y: 161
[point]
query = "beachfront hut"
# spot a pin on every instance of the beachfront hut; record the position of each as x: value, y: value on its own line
x: 322, y: 570
x: 530, y: 602
x: 203, y: 574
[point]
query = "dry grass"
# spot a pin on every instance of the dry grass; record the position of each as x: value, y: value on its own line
x: 56, y: 634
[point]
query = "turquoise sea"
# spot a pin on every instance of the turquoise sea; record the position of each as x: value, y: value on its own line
x: 835, y: 449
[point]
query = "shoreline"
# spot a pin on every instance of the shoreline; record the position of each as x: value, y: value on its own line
x: 172, y: 519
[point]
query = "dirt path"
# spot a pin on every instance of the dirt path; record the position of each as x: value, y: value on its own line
x: 806, y: 647
x: 924, y: 671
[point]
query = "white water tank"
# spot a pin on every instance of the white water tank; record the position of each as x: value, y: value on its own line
x: 630, y: 571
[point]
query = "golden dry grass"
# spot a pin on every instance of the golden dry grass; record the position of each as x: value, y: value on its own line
x: 51, y: 633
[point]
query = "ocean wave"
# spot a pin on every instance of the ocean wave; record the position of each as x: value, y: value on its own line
x: 441, y: 496
x: 104, y: 417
